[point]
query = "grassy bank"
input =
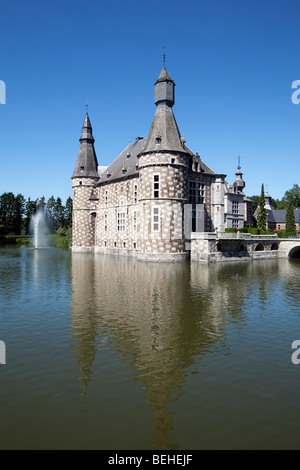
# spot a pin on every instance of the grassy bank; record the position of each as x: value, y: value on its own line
x: 62, y: 238
x: 15, y: 239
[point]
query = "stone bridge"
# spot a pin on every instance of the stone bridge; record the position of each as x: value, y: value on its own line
x: 289, y: 248
x: 212, y: 247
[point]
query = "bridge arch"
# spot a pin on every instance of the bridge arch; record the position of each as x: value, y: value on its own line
x: 294, y: 252
x: 259, y: 247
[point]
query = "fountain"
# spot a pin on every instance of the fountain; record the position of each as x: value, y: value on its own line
x: 38, y: 227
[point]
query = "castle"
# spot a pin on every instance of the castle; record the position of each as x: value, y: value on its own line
x: 154, y: 194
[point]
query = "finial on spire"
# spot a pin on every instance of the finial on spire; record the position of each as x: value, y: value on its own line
x: 164, y: 56
x: 239, y: 162
x: 86, y: 107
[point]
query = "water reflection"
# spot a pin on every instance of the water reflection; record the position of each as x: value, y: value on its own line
x: 161, y: 318
x: 153, y: 355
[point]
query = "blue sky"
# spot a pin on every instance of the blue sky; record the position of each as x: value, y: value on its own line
x: 233, y: 63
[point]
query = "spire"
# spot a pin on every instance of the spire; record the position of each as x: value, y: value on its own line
x: 164, y: 134
x: 87, y: 130
x: 87, y: 163
x: 239, y: 182
x: 164, y: 88
x: 268, y: 204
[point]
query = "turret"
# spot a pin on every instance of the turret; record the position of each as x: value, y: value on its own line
x: 164, y: 135
x: 164, y: 89
x: 84, y: 180
x: 87, y: 163
x: 239, y: 183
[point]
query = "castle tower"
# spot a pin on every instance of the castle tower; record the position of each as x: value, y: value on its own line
x: 239, y: 184
x: 84, y: 182
x: 163, y: 166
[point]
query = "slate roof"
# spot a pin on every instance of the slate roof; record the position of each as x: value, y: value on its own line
x: 127, y: 160
x: 279, y: 216
x: 164, y: 76
x: 87, y: 163
x: 164, y: 127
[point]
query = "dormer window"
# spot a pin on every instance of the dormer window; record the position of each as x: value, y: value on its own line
x: 82, y: 168
x: 158, y: 140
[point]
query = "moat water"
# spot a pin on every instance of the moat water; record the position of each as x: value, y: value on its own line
x: 108, y: 352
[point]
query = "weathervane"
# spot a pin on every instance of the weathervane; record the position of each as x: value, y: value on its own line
x: 86, y: 107
x: 164, y: 56
x: 239, y: 162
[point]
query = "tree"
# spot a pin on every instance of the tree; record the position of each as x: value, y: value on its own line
x: 30, y: 209
x: 41, y: 204
x: 262, y: 214
x: 11, y: 213
x: 68, y: 212
x: 255, y: 202
x: 19, y: 212
x: 50, y: 213
x: 58, y: 214
x: 292, y: 196
x: 290, y: 220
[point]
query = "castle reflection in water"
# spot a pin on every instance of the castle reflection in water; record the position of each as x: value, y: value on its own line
x: 162, y: 319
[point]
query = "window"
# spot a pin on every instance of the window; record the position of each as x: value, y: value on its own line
x: 235, y: 207
x: 158, y: 140
x: 134, y: 222
x: 115, y: 244
x: 124, y: 244
x: 106, y: 198
x: 135, y: 194
x: 105, y: 243
x: 155, y: 219
x: 235, y: 223
x: 134, y: 245
x: 105, y: 222
x: 196, y: 192
x: 201, y: 193
x: 155, y: 186
x: 173, y: 160
x: 121, y: 222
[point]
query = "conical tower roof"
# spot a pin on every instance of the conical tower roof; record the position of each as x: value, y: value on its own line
x: 164, y: 76
x: 87, y: 163
x: 164, y: 134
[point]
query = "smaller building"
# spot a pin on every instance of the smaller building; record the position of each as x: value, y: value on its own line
x: 237, y: 206
x: 276, y: 219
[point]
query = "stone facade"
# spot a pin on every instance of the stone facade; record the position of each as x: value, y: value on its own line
x: 152, y: 196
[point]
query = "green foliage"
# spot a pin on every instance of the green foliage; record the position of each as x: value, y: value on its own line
x: 62, y: 238
x: 11, y: 211
x: 14, y: 240
x: 292, y: 197
x: 290, y: 219
x: 252, y: 230
x: 255, y: 202
x: 262, y: 214
x: 16, y: 213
